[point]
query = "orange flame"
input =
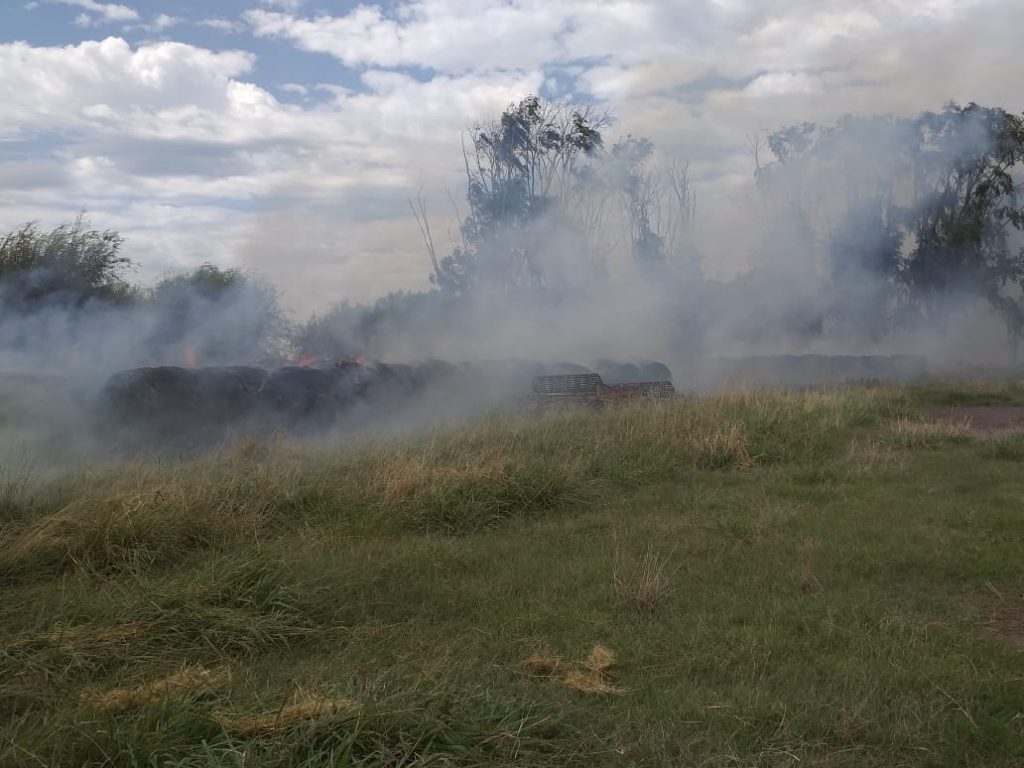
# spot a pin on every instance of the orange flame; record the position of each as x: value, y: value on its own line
x: 191, y: 356
x: 306, y: 360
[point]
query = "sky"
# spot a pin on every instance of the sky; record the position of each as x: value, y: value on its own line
x: 288, y: 136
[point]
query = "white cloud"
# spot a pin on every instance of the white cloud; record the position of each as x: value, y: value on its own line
x: 165, y: 21
x: 781, y: 84
x: 180, y: 134
x: 478, y: 35
x: 169, y: 124
x: 222, y: 25
x: 108, y: 11
x: 287, y: 5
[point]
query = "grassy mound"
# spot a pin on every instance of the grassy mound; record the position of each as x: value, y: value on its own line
x: 751, y: 579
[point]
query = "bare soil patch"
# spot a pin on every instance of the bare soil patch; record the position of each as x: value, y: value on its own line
x: 981, y: 419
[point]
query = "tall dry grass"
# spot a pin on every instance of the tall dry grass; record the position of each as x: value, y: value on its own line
x: 448, y: 482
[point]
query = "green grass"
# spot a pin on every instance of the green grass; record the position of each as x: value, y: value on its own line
x: 995, y: 391
x: 786, y: 578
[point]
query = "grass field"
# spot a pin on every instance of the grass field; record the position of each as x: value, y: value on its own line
x: 753, y: 579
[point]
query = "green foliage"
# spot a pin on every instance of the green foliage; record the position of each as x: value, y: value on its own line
x: 207, y: 280
x: 522, y: 165
x: 963, y: 164
x: 346, y: 330
x: 69, y: 266
x: 225, y: 314
x: 948, y: 239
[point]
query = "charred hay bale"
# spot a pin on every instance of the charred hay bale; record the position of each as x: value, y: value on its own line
x: 907, y: 367
x: 475, y: 380
x: 513, y: 370
x: 566, y: 369
x: 513, y: 377
x: 297, y: 396
x: 617, y: 373
x: 144, y: 393
x: 394, y: 382
x: 231, y: 394
x: 150, y: 405
x: 439, y: 372
x: 652, y: 370
x: 349, y: 384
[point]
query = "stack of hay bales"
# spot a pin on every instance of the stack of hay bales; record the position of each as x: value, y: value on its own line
x: 168, y: 406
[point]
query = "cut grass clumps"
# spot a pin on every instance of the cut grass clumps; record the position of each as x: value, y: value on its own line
x: 231, y: 609
x: 187, y: 680
x: 407, y: 726
x: 305, y: 708
x: 421, y: 727
x: 592, y: 675
x: 156, y: 517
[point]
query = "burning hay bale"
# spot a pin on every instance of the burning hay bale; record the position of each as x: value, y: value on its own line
x: 181, y: 408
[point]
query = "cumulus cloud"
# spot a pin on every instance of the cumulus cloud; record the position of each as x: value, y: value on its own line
x: 174, y: 125
x: 172, y: 130
x: 462, y: 35
x: 107, y: 87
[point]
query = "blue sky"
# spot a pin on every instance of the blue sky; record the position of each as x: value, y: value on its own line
x: 288, y: 135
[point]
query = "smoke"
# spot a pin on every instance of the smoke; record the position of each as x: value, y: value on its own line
x: 180, y: 322
x: 69, y: 319
x: 869, y: 237
x: 866, y: 237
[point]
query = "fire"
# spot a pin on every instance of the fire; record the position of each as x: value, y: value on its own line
x: 191, y: 356
x: 306, y: 360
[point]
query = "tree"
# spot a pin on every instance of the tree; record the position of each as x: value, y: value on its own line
x: 965, y: 207
x: 70, y: 267
x: 217, y: 316
x: 922, y: 207
x: 344, y: 331
x: 657, y: 203
x: 522, y: 166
